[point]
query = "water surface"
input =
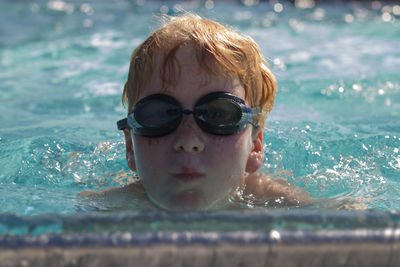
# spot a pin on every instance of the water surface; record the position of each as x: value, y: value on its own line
x: 335, y: 129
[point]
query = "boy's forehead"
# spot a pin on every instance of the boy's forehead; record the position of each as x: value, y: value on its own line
x: 190, y: 74
x: 189, y: 81
x: 185, y: 56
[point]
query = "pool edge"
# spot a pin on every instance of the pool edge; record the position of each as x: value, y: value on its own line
x: 360, y: 247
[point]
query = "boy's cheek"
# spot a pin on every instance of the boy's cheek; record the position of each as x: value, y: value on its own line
x: 150, y: 154
x: 130, y: 157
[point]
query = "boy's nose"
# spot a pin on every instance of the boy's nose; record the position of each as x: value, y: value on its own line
x: 188, y: 137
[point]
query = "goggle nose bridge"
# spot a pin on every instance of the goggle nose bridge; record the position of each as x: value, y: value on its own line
x: 187, y: 111
x: 194, y: 112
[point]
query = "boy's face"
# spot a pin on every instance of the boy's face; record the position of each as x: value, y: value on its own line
x: 190, y: 169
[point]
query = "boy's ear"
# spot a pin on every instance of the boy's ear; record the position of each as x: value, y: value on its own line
x: 256, y: 156
x: 130, y: 159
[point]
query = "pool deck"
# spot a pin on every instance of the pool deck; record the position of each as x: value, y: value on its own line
x: 326, y: 248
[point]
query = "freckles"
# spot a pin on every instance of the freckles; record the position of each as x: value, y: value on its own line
x: 228, y: 143
x: 221, y: 143
x: 225, y: 139
x: 149, y: 142
x: 216, y: 138
x: 153, y: 141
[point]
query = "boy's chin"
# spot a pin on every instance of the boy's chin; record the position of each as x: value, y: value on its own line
x: 190, y: 200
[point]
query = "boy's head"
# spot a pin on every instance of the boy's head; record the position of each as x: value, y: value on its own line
x: 187, y: 74
x: 219, y: 51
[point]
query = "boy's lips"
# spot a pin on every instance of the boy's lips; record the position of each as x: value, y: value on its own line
x: 187, y: 174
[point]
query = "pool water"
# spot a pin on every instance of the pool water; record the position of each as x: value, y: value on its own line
x: 335, y: 129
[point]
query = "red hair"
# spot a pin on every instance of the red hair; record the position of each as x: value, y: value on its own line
x: 219, y: 50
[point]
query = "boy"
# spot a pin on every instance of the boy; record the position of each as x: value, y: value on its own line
x: 198, y: 94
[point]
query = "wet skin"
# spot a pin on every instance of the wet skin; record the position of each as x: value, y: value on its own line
x: 190, y: 169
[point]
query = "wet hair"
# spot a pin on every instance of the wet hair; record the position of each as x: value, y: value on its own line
x: 219, y: 50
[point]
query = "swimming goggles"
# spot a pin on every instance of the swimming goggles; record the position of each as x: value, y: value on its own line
x: 217, y: 113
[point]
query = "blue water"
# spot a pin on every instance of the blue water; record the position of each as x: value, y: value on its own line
x: 335, y: 129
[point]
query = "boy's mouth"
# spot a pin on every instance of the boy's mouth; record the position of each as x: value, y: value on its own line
x: 188, y: 175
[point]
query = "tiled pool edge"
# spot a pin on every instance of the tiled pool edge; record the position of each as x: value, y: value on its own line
x: 360, y: 247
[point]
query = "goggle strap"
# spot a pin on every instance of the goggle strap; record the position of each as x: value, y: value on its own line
x: 255, y: 112
x: 122, y: 124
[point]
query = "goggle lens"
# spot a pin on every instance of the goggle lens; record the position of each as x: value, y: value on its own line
x: 220, y: 112
x: 156, y: 113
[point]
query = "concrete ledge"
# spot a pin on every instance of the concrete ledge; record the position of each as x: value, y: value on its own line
x: 295, y: 238
x: 284, y: 248
x: 364, y: 254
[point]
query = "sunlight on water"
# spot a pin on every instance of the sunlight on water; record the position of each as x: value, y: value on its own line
x: 334, y: 132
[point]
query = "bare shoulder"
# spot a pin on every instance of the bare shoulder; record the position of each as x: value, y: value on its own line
x: 263, y: 186
x: 132, y: 188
